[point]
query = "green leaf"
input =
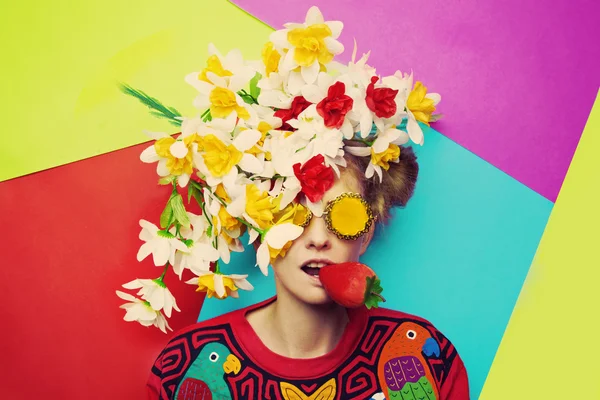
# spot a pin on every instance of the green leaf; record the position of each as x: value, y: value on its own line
x: 168, y: 180
x: 157, y: 109
x: 167, y: 216
x: 254, y: 89
x: 179, y: 210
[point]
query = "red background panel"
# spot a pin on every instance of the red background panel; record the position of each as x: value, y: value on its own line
x: 70, y: 239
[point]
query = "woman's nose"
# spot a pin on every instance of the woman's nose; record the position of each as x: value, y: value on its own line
x: 316, y: 235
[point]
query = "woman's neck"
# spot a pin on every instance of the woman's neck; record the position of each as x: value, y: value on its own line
x: 294, y: 329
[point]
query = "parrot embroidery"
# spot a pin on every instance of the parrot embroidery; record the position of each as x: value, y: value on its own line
x: 402, y: 370
x: 325, y: 392
x: 205, y: 379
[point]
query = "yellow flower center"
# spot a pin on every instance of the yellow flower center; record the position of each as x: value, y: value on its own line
x: 259, y: 206
x: 310, y: 45
x: 382, y: 159
x: 219, y: 159
x: 176, y: 166
x: 270, y: 58
x: 213, y: 64
x: 419, y: 105
x: 223, y: 103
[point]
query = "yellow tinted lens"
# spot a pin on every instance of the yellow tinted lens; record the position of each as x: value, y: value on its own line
x: 349, y: 216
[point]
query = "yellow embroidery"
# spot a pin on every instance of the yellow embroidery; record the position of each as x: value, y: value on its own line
x: 325, y: 392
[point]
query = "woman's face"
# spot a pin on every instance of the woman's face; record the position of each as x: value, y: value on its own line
x: 319, y: 245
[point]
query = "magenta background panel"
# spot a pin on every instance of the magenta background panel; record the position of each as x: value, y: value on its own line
x: 517, y: 77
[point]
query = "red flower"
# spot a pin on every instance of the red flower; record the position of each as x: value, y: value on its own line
x: 299, y: 104
x: 315, y: 178
x: 381, y: 100
x: 335, y: 106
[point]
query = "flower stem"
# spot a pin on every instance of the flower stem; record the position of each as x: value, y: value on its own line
x: 164, y: 272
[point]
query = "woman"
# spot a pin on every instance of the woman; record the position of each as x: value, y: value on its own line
x: 302, y: 345
x: 305, y: 155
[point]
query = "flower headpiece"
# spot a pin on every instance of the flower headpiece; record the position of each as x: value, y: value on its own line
x: 266, y: 145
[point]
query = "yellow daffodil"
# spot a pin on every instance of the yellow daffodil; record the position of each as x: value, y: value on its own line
x: 223, y: 102
x: 421, y: 106
x: 383, y: 159
x: 259, y: 206
x: 218, y: 157
x: 213, y: 64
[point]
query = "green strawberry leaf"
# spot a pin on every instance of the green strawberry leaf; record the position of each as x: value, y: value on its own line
x: 167, y: 216
x: 372, y: 292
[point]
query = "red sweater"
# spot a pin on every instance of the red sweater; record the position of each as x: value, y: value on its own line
x: 383, y: 354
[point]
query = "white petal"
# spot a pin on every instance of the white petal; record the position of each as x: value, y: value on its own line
x: 161, y: 252
x: 246, y: 139
x: 289, y: 195
x: 252, y: 236
x: 179, y: 245
x: 224, y: 252
x: 315, y: 208
x: 134, y: 284
x: 161, y: 168
x: 279, y: 38
x: 157, y: 299
x: 402, y: 139
x: 313, y: 93
x: 310, y: 73
x: 149, y: 155
x: 279, y: 235
x: 288, y: 62
x: 370, y: 171
x: 414, y: 131
x: 238, y: 82
x: 336, y: 28
x: 178, y: 149
x: 183, y: 180
x: 251, y: 164
x: 126, y: 296
x: 276, y: 188
x: 380, y: 145
x: 262, y: 258
x: 295, y: 83
x: 219, y: 287
x: 436, y: 97
x: 378, y: 170
x: 358, y: 151
x: 237, y: 206
x: 216, y: 79
x: 333, y: 45
x: 241, y: 283
x: 314, y: 16
x: 144, y: 251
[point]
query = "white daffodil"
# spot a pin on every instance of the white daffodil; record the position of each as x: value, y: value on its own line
x: 156, y: 293
x: 142, y: 312
x: 200, y: 253
x: 219, y: 285
x: 276, y: 237
x: 309, y: 44
x: 161, y: 244
x: 220, y: 95
x: 416, y: 103
x: 174, y: 156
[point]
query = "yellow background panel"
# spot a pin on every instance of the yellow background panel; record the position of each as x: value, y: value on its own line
x: 550, y: 348
x: 62, y: 60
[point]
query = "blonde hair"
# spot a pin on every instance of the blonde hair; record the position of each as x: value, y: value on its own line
x: 397, y: 186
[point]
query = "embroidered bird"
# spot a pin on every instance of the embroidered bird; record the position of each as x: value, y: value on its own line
x: 402, y: 370
x: 205, y: 379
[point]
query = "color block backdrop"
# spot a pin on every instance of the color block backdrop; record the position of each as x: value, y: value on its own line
x: 517, y: 80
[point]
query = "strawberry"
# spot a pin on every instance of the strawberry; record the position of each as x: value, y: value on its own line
x: 351, y: 284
